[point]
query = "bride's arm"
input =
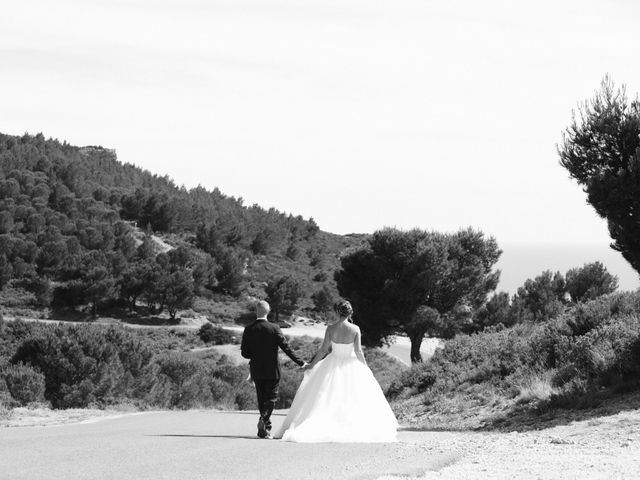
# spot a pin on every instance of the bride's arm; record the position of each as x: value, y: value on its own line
x: 358, y: 347
x: 324, y: 349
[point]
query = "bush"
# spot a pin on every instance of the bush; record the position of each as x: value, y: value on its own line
x: 24, y: 383
x: 289, y: 383
x: 6, y: 400
x: 215, y: 334
x: 574, y: 360
x: 384, y: 367
x: 608, y: 354
x: 245, y: 397
x: 92, y: 365
x: 180, y: 380
x: 83, y: 365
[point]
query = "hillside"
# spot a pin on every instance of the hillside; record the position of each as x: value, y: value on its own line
x: 79, y: 230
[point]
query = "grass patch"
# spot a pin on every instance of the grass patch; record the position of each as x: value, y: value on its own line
x: 537, y: 387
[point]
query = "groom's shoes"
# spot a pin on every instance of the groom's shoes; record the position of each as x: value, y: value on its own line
x: 262, y: 429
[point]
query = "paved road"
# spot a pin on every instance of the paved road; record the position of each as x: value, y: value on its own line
x: 195, y: 445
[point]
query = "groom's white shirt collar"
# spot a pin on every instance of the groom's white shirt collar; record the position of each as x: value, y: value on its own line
x: 262, y: 318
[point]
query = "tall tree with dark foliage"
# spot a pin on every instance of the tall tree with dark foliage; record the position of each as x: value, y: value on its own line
x: 417, y: 282
x: 601, y: 150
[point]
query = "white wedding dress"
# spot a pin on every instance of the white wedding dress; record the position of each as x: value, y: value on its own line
x: 339, y: 400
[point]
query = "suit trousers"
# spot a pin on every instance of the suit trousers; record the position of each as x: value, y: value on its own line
x: 267, y: 393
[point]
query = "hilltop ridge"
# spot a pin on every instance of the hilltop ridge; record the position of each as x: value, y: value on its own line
x: 72, y: 216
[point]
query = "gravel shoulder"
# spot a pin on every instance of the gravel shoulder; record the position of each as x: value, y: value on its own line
x: 599, y: 448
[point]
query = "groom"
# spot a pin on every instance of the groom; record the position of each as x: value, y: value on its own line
x: 260, y: 342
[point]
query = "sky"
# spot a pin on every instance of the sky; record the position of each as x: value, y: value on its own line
x: 437, y: 114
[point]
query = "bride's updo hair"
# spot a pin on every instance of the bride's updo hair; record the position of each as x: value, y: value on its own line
x: 343, y: 308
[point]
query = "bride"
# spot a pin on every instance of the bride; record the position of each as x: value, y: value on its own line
x: 339, y: 400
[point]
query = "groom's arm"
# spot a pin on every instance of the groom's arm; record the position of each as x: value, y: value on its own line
x: 284, y: 345
x: 244, y: 346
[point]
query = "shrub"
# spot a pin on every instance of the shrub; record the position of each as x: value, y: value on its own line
x: 93, y: 365
x: 547, y: 346
x: 608, y: 354
x: 289, y: 382
x: 384, y: 367
x: 245, y: 397
x: 180, y: 380
x: 589, y: 315
x: 85, y: 365
x: 304, y: 347
x: 6, y: 399
x: 24, y: 383
x: 215, y: 334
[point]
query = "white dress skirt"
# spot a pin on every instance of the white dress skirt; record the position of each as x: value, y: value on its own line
x: 339, y: 400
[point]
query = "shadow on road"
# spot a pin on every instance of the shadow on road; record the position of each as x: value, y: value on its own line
x: 246, y: 437
x: 248, y: 412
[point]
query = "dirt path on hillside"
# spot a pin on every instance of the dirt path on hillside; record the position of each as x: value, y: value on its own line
x: 400, y: 349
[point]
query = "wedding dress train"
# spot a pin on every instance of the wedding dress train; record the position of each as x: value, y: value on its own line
x: 339, y: 400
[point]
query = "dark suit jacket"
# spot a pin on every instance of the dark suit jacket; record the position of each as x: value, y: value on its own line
x: 260, y: 342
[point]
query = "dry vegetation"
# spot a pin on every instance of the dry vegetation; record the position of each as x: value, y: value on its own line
x: 584, y: 358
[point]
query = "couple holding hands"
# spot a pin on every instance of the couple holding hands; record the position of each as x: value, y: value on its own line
x: 338, y: 400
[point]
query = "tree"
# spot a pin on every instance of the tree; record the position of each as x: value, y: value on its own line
x: 496, y: 311
x: 100, y: 286
x: 152, y: 290
x: 544, y: 296
x: 263, y: 242
x: 6, y: 222
x: 229, y: 274
x: 589, y: 282
x: 601, y: 151
x: 180, y: 257
x: 147, y: 249
x: 43, y: 291
x: 178, y: 292
x: 399, y: 280
x: 6, y: 271
x: 204, y: 274
x: 132, y: 283
x: 323, y: 300
x: 283, y: 294
x: 424, y: 320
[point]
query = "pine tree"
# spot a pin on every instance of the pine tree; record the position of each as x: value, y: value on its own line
x: 601, y: 150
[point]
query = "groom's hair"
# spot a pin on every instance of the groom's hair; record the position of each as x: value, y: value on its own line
x: 262, y: 308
